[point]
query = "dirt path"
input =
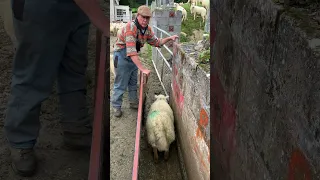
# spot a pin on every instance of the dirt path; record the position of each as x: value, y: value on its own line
x: 122, y: 136
x: 55, y: 163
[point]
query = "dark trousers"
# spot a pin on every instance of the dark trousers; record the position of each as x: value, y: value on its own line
x: 52, y: 40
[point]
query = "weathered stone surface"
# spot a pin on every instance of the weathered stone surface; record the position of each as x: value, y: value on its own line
x: 267, y: 59
x: 296, y: 75
x: 193, y: 84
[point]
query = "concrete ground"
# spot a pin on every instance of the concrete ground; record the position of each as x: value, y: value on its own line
x: 122, y: 136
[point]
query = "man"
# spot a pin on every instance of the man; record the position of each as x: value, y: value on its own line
x: 126, y: 59
x: 52, y: 38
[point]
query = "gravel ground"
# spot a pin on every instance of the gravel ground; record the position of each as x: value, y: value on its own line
x: 122, y: 136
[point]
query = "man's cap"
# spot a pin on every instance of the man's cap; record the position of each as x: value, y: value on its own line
x: 144, y: 11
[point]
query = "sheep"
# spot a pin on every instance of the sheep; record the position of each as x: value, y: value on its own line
x: 198, y: 10
x: 183, y: 33
x: 112, y: 70
x: 160, y: 126
x: 114, y: 27
x: 119, y: 31
x: 206, y: 4
x: 184, y: 12
x: 196, y: 2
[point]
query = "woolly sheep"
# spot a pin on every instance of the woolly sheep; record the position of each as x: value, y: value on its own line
x: 119, y: 31
x: 160, y: 126
x: 196, y: 2
x: 183, y: 33
x: 184, y: 12
x: 112, y: 70
x: 177, y: 4
x: 114, y: 27
x: 198, y: 10
x: 206, y: 4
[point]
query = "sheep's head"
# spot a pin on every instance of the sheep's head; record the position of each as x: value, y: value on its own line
x: 162, y: 97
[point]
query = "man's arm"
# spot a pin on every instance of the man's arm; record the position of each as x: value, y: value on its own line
x: 92, y: 9
x: 136, y: 60
x: 165, y: 40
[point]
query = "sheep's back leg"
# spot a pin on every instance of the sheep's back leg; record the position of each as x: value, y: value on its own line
x: 155, y: 155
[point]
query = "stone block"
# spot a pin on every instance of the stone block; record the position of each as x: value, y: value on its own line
x: 246, y: 162
x: 252, y: 26
x: 269, y: 68
x: 194, y: 168
x: 295, y: 70
x: 188, y: 91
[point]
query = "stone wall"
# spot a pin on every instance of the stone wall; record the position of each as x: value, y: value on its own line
x: 190, y: 99
x: 189, y: 90
x: 266, y: 91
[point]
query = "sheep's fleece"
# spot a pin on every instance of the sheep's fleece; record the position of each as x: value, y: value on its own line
x: 160, y: 124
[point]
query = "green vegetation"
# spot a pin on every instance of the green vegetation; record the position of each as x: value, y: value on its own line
x: 204, y: 57
x: 190, y: 25
x: 149, y: 50
x: 184, y: 38
x: 204, y: 60
x: 148, y: 53
x: 134, y: 10
x: 134, y: 3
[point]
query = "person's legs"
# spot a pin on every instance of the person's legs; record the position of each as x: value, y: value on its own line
x: 40, y: 48
x: 121, y: 81
x: 75, y: 121
x: 132, y: 87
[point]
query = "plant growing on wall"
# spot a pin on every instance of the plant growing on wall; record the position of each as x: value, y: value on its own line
x: 204, y: 57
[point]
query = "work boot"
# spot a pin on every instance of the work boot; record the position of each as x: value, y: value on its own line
x: 24, y: 161
x: 77, y: 141
x: 134, y: 105
x: 117, y: 112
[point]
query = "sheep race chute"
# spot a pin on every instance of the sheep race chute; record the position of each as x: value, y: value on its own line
x: 143, y: 82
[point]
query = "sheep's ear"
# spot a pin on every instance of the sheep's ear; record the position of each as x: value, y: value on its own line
x: 156, y: 96
x: 167, y: 97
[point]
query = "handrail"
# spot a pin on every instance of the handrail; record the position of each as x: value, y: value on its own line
x: 135, y: 169
x: 162, y: 30
x: 98, y: 123
x: 164, y: 59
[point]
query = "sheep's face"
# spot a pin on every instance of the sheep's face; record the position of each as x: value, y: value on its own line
x: 161, y: 97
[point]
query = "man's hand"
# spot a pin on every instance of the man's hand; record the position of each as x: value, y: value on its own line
x: 146, y: 71
x: 136, y: 60
x: 174, y: 37
x: 170, y: 38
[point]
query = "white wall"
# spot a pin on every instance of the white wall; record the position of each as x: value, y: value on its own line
x: 125, y: 17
